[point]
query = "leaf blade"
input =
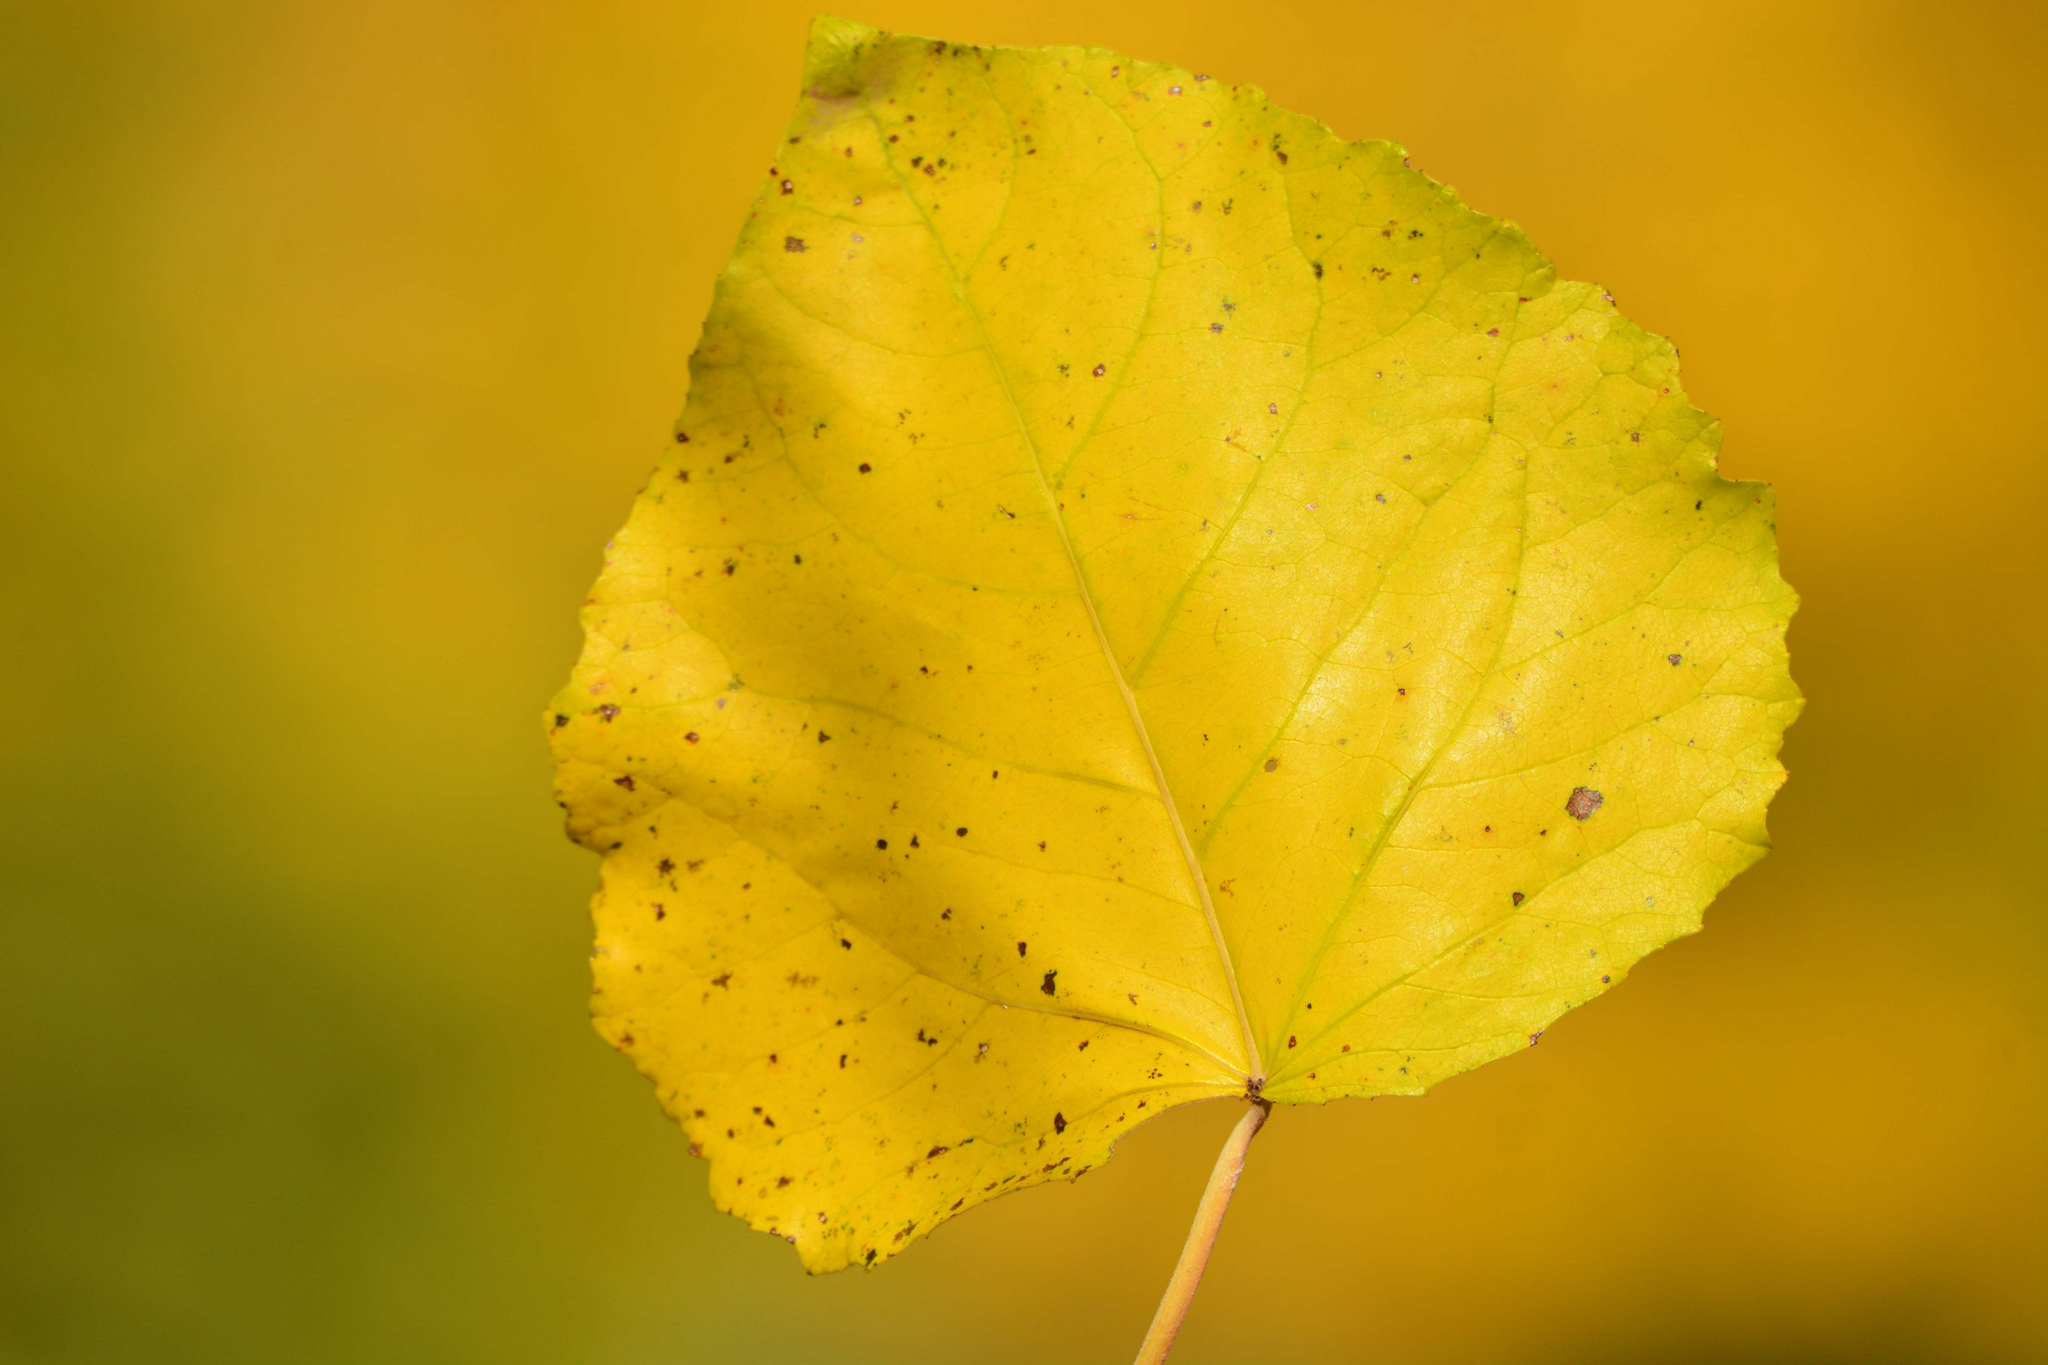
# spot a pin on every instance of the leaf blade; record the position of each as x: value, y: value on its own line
x: 1136, y: 569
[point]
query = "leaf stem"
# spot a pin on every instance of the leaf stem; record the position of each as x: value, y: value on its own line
x: 1194, y: 1256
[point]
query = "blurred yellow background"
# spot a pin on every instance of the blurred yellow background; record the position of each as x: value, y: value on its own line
x: 336, y: 338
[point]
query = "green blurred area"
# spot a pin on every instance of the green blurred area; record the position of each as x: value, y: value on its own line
x: 335, y: 339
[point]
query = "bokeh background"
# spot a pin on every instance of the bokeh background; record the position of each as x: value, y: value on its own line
x: 335, y: 337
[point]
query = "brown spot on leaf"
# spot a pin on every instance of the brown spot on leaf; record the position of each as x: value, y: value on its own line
x: 1059, y: 1123
x: 1047, y: 984
x: 1582, y: 803
x: 793, y: 244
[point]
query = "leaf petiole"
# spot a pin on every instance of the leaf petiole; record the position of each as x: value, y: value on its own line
x: 1194, y: 1256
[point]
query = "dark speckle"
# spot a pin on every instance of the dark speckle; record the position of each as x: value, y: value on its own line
x: 792, y: 244
x: 1519, y: 898
x: 1675, y: 659
x: 962, y: 831
x: 1101, y: 370
x: 1021, y: 946
x: 1582, y: 803
x: 1047, y: 984
x: 1059, y: 1123
x: 822, y: 737
x: 866, y: 468
x: 1271, y: 764
x: 881, y: 843
x: 626, y: 782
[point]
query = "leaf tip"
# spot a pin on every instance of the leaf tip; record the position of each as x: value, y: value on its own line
x: 832, y: 55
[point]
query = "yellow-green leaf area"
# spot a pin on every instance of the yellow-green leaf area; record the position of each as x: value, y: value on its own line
x: 1147, y: 601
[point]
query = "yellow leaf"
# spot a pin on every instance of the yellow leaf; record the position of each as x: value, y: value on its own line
x: 1148, y: 601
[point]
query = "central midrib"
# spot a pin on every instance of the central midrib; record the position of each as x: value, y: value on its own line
x: 1256, y: 1073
